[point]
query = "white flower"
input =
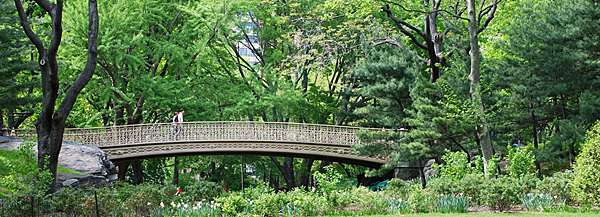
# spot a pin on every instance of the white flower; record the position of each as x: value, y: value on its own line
x: 194, y: 208
x: 172, y: 204
x: 541, y: 195
x: 178, y: 205
x: 555, y: 196
x: 149, y: 203
x: 185, y: 205
x: 162, y: 204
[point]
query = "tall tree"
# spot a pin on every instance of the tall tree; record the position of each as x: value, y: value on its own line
x: 548, y: 76
x: 51, y: 120
x: 476, y: 26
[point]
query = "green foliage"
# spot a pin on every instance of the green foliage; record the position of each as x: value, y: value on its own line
x: 521, y: 162
x: 535, y: 202
x: 17, y: 69
x: 557, y: 186
x: 201, y: 189
x: 328, y: 181
x: 501, y: 193
x: 25, y: 177
x: 452, y: 204
x: 456, y: 167
x: 585, y: 186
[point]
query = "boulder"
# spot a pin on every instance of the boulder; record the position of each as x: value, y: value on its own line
x: 84, y: 158
x: 79, y: 157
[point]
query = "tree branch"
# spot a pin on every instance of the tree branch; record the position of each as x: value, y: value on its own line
x: 394, y: 42
x: 57, y: 30
x: 28, y: 31
x: 490, y: 17
x: 400, y: 23
x: 69, y: 100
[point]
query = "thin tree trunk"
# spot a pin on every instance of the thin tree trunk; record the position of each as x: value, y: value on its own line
x: 535, y: 141
x: 176, y: 172
x: 422, y: 174
x: 482, y: 127
x: 305, y: 174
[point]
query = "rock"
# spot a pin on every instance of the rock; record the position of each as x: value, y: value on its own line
x: 70, y: 182
x: 84, y: 181
x: 8, y: 143
x: 84, y: 158
x: 79, y: 157
x: 429, y: 172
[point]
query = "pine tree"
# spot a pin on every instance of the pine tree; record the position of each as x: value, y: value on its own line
x: 18, y: 78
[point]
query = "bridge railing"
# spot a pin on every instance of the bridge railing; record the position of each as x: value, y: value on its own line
x: 212, y: 131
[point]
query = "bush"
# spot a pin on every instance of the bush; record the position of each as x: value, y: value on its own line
x: 501, y: 193
x: 202, y: 189
x: 585, y: 187
x: 456, y: 167
x: 521, y: 161
x: 557, y: 186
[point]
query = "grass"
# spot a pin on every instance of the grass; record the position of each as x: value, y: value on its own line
x: 498, y: 214
x: 11, y: 156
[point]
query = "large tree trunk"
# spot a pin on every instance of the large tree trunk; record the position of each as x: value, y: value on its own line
x: 287, y: 170
x: 482, y: 126
x: 138, y: 175
x: 51, y: 121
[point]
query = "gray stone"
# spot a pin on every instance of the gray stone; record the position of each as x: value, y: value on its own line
x: 113, y: 177
x: 70, y: 182
x: 84, y: 158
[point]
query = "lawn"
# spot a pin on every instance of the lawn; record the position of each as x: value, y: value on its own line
x: 498, y: 215
x: 11, y: 156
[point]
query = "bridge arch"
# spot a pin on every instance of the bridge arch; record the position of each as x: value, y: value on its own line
x: 328, y: 142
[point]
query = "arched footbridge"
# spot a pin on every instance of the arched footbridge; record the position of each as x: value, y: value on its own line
x: 123, y: 143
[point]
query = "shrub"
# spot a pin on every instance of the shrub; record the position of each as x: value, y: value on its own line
x: 456, y: 167
x: 501, y: 193
x: 521, y: 161
x: 557, y: 186
x: 585, y: 187
x: 201, y: 189
x: 328, y: 181
x: 398, y: 188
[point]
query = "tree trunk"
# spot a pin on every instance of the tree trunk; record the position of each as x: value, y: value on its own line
x: 122, y: 169
x: 138, y: 176
x: 305, y: 173
x: 225, y: 181
x: 287, y: 170
x: 482, y: 127
x: 535, y: 142
x: 52, y: 120
x: 176, y: 172
x: 422, y: 174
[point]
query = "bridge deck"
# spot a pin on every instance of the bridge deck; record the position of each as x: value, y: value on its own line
x: 271, y: 138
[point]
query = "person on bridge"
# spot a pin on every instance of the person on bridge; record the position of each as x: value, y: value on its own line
x: 175, y: 127
x: 180, y: 120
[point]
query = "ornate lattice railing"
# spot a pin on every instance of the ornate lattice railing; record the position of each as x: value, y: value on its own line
x: 211, y: 131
